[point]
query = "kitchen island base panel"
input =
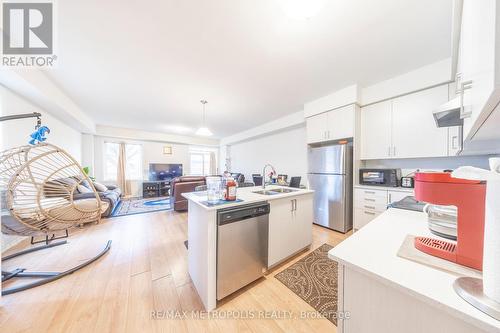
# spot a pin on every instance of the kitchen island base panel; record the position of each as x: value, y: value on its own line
x: 290, y: 257
x: 294, y: 224
x: 202, y: 253
x: 374, y: 307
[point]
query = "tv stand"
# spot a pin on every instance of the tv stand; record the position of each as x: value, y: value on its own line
x: 155, y: 189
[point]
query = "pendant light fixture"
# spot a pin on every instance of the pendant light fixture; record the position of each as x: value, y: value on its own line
x: 203, y: 130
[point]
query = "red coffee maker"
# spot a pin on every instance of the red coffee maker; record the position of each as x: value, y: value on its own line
x: 469, y: 198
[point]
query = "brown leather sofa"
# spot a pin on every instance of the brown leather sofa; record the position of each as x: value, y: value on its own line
x: 181, y: 185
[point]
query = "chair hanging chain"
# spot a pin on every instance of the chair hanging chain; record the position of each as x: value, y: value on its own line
x: 38, y: 122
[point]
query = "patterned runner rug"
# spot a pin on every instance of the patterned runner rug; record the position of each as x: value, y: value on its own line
x: 314, y: 279
x: 141, y: 206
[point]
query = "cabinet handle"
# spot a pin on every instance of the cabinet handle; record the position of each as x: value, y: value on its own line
x: 370, y: 207
x: 389, y: 151
x: 458, y: 77
x: 369, y: 192
x: 454, y: 142
x: 292, y: 206
x: 394, y: 151
x: 295, y: 204
x: 463, y: 87
x: 369, y: 213
x: 368, y: 199
x: 390, y: 198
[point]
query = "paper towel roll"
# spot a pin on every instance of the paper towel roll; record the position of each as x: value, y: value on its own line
x: 495, y: 164
x: 491, y: 255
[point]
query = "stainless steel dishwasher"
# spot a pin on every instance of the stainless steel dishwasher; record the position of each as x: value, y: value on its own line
x: 242, y: 234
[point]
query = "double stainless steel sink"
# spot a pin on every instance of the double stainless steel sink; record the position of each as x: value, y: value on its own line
x: 274, y: 191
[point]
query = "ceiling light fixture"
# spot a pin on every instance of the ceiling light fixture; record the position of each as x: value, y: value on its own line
x: 302, y: 9
x: 203, y: 130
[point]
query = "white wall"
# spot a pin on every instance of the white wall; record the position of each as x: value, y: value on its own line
x: 285, y: 150
x: 34, y: 85
x: 152, y: 152
x: 424, y: 77
x: 16, y: 133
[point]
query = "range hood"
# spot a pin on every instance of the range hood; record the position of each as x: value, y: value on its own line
x: 448, y: 114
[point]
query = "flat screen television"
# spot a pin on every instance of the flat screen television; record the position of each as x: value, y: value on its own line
x: 164, y: 171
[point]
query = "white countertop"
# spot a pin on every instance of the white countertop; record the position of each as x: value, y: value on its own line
x: 373, y: 251
x: 385, y: 188
x: 246, y: 194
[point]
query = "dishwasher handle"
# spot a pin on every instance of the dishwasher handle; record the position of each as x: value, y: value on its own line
x: 236, y: 215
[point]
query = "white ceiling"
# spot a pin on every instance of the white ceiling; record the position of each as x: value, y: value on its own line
x: 146, y: 64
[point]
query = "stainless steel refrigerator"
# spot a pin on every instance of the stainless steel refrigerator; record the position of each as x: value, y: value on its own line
x: 330, y: 176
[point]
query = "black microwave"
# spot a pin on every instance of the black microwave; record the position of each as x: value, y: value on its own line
x: 380, y: 177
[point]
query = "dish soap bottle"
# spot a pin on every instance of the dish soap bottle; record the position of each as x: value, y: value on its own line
x: 230, y: 190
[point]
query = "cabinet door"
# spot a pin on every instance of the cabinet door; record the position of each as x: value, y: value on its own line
x: 303, y: 220
x: 363, y: 216
x: 317, y: 128
x: 477, y: 56
x: 414, y: 131
x: 454, y: 140
x: 281, y: 230
x: 376, y: 130
x: 341, y: 123
x: 393, y: 196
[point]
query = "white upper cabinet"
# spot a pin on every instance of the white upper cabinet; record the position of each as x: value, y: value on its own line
x: 404, y: 127
x: 317, y: 128
x: 376, y: 128
x: 478, y: 67
x: 414, y: 131
x: 331, y: 125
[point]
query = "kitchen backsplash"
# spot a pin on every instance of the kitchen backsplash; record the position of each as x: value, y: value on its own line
x: 408, y: 166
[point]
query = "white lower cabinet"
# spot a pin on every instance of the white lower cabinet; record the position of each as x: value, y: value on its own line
x: 393, y: 196
x: 290, y: 227
x: 370, y: 203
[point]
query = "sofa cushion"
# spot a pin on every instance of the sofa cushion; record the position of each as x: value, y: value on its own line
x: 100, y: 187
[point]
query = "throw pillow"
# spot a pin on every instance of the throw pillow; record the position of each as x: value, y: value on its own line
x: 83, y: 189
x: 85, y: 183
x: 100, y: 187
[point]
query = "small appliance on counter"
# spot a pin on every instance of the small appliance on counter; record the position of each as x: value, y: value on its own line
x: 408, y: 182
x: 442, y: 220
x: 439, y: 188
x: 380, y: 177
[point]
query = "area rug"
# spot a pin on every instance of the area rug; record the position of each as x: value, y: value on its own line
x: 314, y: 279
x: 140, y: 206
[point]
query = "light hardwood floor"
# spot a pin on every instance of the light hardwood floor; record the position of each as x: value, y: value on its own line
x: 145, y: 271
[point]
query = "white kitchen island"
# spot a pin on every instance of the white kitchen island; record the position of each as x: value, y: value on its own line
x: 290, y: 231
x: 385, y: 293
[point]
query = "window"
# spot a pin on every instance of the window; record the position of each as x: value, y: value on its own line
x: 133, y: 153
x: 111, y: 160
x: 200, y: 163
x: 134, y: 161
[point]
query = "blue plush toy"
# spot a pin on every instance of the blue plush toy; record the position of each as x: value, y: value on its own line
x: 39, y: 135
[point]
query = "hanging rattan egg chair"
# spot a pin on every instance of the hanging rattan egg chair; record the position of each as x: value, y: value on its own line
x: 38, y: 184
